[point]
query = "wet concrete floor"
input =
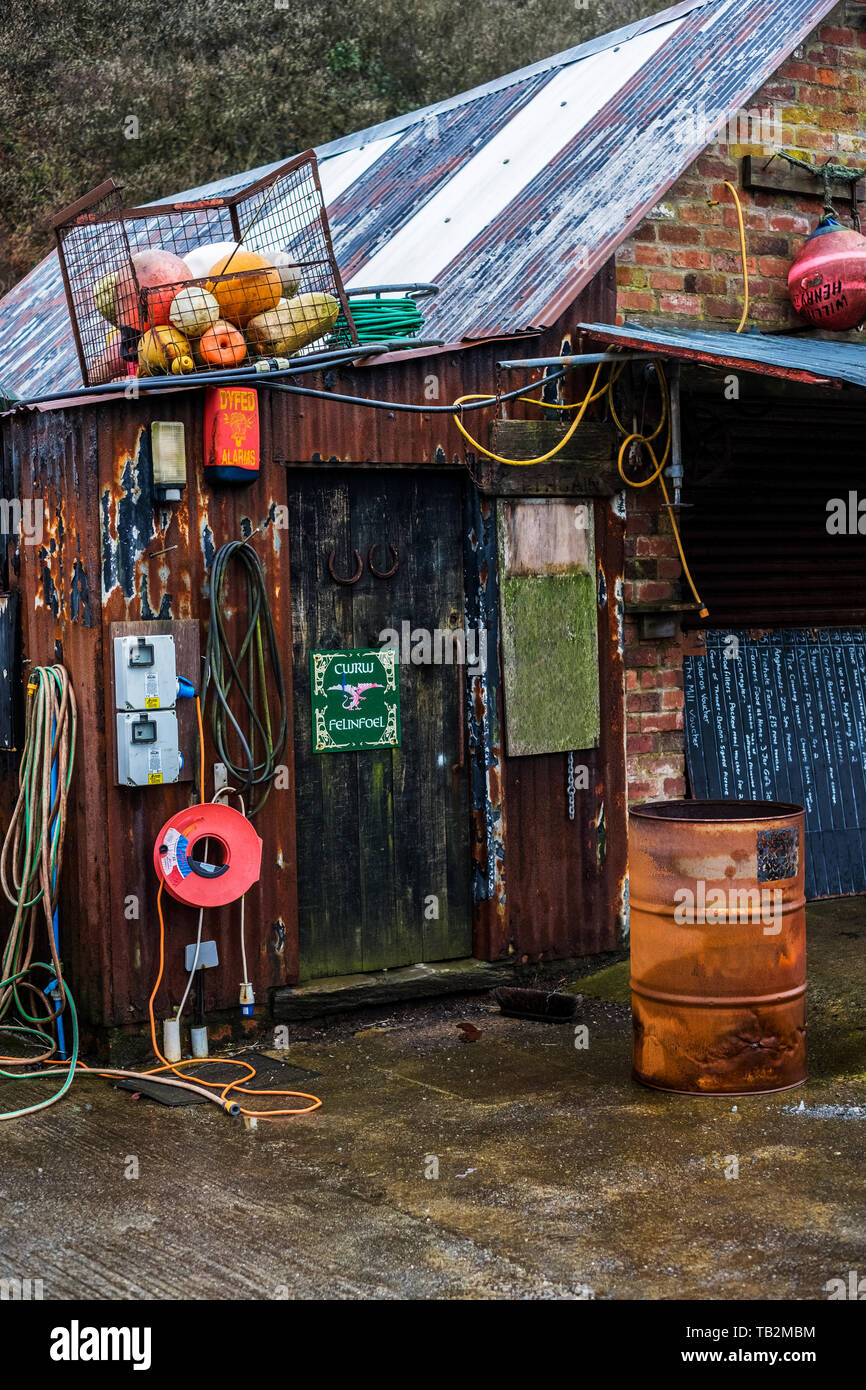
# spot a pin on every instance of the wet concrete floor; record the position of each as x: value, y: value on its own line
x: 513, y: 1166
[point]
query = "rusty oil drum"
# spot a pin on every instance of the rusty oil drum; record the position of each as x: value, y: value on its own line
x: 718, y: 946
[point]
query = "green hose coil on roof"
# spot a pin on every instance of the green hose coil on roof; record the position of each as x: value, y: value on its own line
x: 378, y: 319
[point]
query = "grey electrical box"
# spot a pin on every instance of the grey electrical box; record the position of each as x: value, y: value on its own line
x: 145, y: 672
x: 147, y: 748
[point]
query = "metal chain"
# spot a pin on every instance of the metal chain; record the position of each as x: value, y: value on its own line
x: 571, y: 786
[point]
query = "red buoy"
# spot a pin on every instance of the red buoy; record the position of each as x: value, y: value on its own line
x: 827, y: 282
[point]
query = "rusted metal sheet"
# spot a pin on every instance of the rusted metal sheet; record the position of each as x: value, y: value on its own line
x: 484, y: 723
x: 136, y: 559
x: 112, y: 552
x: 812, y: 361
x: 10, y: 670
x: 566, y: 880
x: 55, y: 460
x: 718, y: 946
x: 313, y: 431
x: 711, y: 58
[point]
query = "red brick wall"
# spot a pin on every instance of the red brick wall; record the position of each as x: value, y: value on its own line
x: 654, y: 672
x: 683, y: 265
x: 683, y: 262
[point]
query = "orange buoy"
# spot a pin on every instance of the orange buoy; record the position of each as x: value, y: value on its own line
x: 244, y: 284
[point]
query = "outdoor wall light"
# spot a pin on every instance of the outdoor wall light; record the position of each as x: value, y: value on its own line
x: 168, y: 451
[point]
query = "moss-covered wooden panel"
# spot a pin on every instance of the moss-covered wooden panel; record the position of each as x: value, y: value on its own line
x: 549, y: 628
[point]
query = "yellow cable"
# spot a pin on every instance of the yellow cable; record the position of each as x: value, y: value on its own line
x: 542, y: 458
x: 704, y: 612
x: 233, y: 1087
x: 631, y: 437
x: 645, y: 440
x: 743, y: 257
x: 200, y: 744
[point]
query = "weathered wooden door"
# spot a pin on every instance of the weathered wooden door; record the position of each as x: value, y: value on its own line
x: 383, y: 834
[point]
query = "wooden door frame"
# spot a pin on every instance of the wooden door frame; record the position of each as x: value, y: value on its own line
x: 323, y: 477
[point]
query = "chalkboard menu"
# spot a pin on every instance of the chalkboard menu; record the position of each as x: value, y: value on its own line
x: 782, y: 717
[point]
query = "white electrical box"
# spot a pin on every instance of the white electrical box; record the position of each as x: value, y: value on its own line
x: 147, y: 748
x: 145, y: 673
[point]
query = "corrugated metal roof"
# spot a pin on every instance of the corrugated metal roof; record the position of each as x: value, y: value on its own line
x: 813, y: 360
x: 510, y: 196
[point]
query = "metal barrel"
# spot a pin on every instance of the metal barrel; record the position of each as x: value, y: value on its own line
x: 718, y: 946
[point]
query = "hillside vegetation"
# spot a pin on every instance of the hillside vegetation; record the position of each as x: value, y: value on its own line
x: 164, y: 96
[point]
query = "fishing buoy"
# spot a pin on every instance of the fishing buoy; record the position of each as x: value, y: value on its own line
x: 827, y: 281
x: 234, y: 855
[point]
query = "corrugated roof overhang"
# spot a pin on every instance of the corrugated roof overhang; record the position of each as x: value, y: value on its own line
x: 815, y: 361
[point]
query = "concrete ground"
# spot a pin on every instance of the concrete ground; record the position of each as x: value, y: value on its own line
x: 513, y: 1166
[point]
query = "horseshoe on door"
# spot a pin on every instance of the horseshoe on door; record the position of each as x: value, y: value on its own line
x: 382, y: 574
x: 338, y: 578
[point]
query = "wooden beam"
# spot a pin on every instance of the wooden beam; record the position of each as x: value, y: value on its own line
x: 778, y: 176
x: 586, y: 467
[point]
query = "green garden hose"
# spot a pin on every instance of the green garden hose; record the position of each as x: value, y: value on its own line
x: 257, y: 749
x: 377, y: 319
x: 30, y: 864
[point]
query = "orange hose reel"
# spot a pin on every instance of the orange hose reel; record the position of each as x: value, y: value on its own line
x: 189, y: 877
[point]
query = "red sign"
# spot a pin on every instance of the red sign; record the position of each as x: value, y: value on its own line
x: 231, y: 434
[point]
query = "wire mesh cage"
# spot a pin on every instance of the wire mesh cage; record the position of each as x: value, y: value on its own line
x: 208, y: 285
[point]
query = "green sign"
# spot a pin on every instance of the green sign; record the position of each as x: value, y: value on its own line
x: 356, y: 700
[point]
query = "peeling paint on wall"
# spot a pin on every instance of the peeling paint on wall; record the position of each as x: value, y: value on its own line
x: 79, y: 596
x: 127, y: 521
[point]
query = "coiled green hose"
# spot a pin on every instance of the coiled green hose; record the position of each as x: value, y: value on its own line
x: 379, y: 319
x: 30, y: 866
x: 260, y: 748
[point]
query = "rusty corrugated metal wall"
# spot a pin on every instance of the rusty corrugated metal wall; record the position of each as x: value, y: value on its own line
x: 111, y: 552
x: 94, y: 567
x: 566, y: 879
